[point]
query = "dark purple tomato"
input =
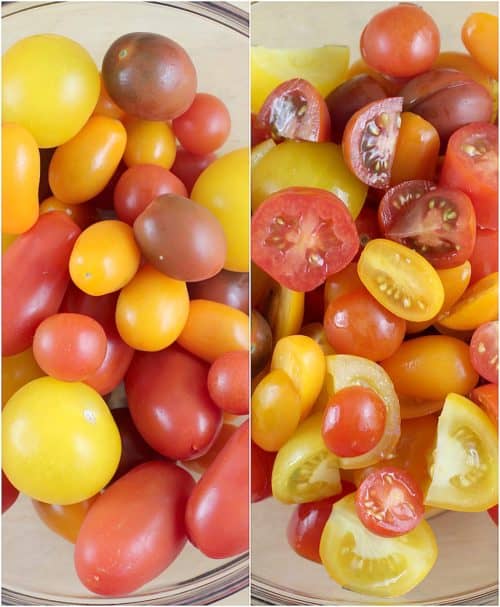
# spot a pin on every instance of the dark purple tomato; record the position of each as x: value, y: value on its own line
x: 261, y: 346
x: 348, y: 98
x: 169, y: 402
x: 230, y: 288
x: 9, y: 493
x: 181, y: 238
x: 149, y: 76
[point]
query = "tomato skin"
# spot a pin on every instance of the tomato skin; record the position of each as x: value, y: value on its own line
x: 228, y: 382
x: 20, y: 179
x: 17, y: 371
x: 401, y: 41
x: 200, y: 464
x: 134, y: 530
x: 105, y: 106
x: 229, y: 288
x: 217, y: 513
x: 82, y: 214
x: 484, y: 258
x: 261, y: 346
x: 493, y: 513
x: 149, y: 143
x: 188, y: 167
x: 81, y: 168
x: 9, y: 493
x: 139, y: 185
x: 486, y: 396
x: 262, y: 469
x: 341, y: 283
x: 367, y: 227
x: 204, y: 126
x: 155, y: 384
x: 64, y: 520
x: 484, y: 351
x: 34, y: 278
x: 480, y: 37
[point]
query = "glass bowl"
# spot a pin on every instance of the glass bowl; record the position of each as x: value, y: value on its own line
x: 466, y: 571
x: 37, y: 564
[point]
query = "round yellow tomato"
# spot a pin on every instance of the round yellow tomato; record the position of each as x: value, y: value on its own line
x: 50, y: 86
x: 60, y: 444
x: 149, y: 143
x: 105, y: 257
x: 223, y: 188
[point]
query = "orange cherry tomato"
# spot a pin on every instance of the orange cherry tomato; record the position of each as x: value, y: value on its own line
x: 106, y: 106
x: 81, y: 168
x: 213, y: 328
x: 20, y: 179
x: 480, y: 37
x: 64, y: 520
x: 149, y: 143
x: 18, y: 370
x: 82, y: 214
x: 341, y: 283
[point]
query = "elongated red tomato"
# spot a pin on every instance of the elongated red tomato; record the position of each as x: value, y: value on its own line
x: 134, y: 530
x: 302, y: 235
x: 34, y: 278
x: 170, y: 404
x: 217, y: 511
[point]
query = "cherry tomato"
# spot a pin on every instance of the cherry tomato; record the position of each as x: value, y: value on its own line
x: 150, y: 76
x: 67, y: 520
x: 105, y: 106
x: 81, y: 168
x: 484, y: 351
x: 9, y: 493
x: 484, y: 258
x: 261, y: 346
x: 134, y: 530
x: 212, y: 329
x: 486, y: 397
x: 401, y: 280
x: 308, y: 521
x: 204, y: 126
x: 82, y: 214
x: 295, y: 110
x: 471, y: 165
x: 141, y: 184
x: 341, y: 283
x: 17, y: 371
x: 357, y: 324
x: 156, y: 382
x: 228, y: 382
x: 395, y: 199
x: 188, y: 167
x: 400, y: 41
x: 34, y: 278
x: 217, y: 513
x: 149, y: 143
x: 20, y: 179
x: 369, y: 141
x: 229, y: 288
x: 480, y: 37
x: 262, y: 468
x: 389, y: 502
x: 302, y: 235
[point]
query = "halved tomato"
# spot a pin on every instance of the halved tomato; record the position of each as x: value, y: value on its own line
x: 369, y: 141
x: 361, y: 561
x: 302, y: 235
x: 464, y: 468
x: 484, y: 351
x: 295, y: 110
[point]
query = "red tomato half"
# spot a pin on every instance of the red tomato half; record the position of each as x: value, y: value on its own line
x: 218, y: 509
x: 34, y: 278
x: 369, y: 141
x: 389, y: 502
x: 134, y: 530
x: 484, y: 351
x: 295, y: 110
x: 471, y: 165
x: 302, y: 235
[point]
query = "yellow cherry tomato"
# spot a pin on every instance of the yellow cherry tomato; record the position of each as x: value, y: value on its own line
x: 285, y: 312
x: 50, y: 86
x: 479, y: 304
x: 363, y: 562
x: 302, y: 359
x: 314, y: 165
x: 224, y: 189
x: 149, y: 143
x: 480, y: 37
x: 151, y: 310
x: 82, y: 214
x: 213, y: 328
x: 401, y: 280
x: 81, y: 168
x: 17, y: 371
x: 304, y: 469
x: 64, y: 520
x: 275, y: 411
x: 105, y: 257
x: 464, y: 469
x: 60, y: 444
x: 20, y: 179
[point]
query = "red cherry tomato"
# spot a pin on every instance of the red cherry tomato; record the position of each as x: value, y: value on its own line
x: 493, y: 512
x: 205, y: 126
x: 218, y: 509
x: 141, y: 184
x: 9, y: 493
x: 302, y: 235
x: 188, y: 167
x: 471, y: 165
x: 295, y: 110
x: 308, y: 521
x: 389, y: 502
x: 354, y: 421
x: 34, y: 278
x: 484, y: 257
x: 369, y: 141
x: 394, y: 201
x: 134, y: 530
x: 169, y: 402
x: 401, y: 41
x: 486, y: 397
x: 228, y: 382
x: 262, y: 469
x: 484, y: 351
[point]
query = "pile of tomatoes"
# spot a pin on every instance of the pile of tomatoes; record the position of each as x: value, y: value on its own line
x: 375, y: 295
x: 125, y: 264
